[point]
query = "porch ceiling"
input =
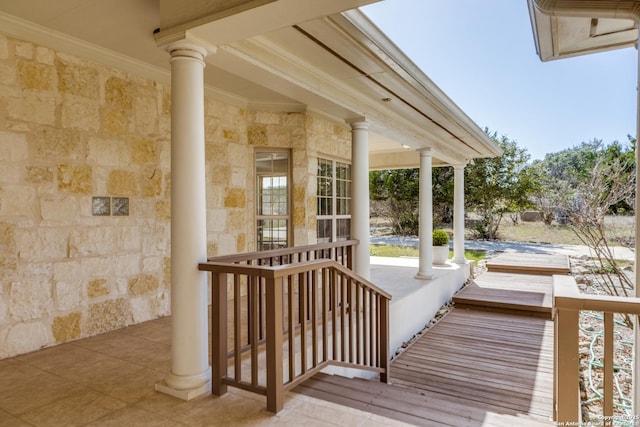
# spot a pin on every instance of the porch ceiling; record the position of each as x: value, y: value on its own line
x: 339, y: 65
x: 566, y: 28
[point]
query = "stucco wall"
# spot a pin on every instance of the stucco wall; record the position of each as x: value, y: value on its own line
x: 70, y: 130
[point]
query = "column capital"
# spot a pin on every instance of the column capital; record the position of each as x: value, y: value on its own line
x: 460, y: 166
x: 425, y: 152
x: 189, y: 49
x: 360, y: 123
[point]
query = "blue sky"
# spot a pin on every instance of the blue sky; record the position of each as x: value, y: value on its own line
x: 482, y: 55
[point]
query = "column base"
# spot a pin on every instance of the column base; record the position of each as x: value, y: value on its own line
x: 459, y: 261
x: 190, y: 387
x: 187, y: 394
x: 423, y: 276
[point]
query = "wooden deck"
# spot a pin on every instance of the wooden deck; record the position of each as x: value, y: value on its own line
x: 489, y: 362
x: 473, y: 369
x: 513, y: 262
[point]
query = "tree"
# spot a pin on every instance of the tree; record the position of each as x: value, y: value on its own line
x: 397, y: 192
x: 612, y: 182
x: 559, y: 174
x: 443, y: 195
x: 499, y: 185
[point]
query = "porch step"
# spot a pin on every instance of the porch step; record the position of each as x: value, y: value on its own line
x: 413, y: 406
x: 525, y: 294
x: 526, y: 263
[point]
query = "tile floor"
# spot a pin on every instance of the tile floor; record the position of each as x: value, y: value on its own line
x: 108, y: 380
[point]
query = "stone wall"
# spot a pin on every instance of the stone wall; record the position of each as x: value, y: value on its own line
x: 72, y: 130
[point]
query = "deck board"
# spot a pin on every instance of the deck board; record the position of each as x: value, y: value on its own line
x: 525, y: 263
x: 472, y: 368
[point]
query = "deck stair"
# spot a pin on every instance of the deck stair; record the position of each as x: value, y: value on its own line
x: 526, y: 294
x: 520, y: 263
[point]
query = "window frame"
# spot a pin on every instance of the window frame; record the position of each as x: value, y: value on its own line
x: 258, y: 181
x: 336, y: 199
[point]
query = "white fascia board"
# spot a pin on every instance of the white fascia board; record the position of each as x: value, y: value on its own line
x: 411, y: 74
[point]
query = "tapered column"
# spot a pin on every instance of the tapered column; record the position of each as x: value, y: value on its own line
x: 360, y: 196
x: 190, y: 374
x: 458, y: 215
x: 425, y: 233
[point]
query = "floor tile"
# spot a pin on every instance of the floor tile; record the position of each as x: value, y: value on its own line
x: 64, y: 360
x: 156, y: 331
x: 12, y: 421
x: 77, y: 409
x: 24, y: 387
x: 133, y: 417
x: 129, y: 385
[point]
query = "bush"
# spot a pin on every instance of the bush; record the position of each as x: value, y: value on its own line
x: 440, y: 238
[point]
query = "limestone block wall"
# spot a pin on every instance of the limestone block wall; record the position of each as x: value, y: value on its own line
x: 72, y: 130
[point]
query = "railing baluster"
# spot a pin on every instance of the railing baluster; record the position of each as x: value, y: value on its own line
x: 237, y: 328
x: 325, y: 310
x: 351, y: 325
x: 343, y: 318
x: 292, y: 338
x: 302, y: 289
x: 255, y: 325
x: 365, y: 326
x: 261, y: 305
x: 334, y: 313
x: 608, y: 369
x: 357, y: 289
x: 372, y: 330
x: 314, y: 317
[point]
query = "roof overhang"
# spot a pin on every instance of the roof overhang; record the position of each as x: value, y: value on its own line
x: 332, y: 62
x: 566, y: 28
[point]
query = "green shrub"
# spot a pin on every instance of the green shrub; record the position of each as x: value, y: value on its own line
x: 440, y: 238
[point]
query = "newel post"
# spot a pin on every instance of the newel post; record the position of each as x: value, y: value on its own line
x: 566, y: 367
x: 218, y: 332
x: 384, y: 339
x: 275, y: 386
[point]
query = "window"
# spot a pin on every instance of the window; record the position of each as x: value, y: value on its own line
x: 334, y: 201
x: 272, y: 204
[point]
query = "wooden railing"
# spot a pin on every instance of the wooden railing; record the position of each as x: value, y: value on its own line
x: 278, y: 318
x: 567, y: 304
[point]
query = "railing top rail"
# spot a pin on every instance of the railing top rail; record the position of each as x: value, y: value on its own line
x: 567, y: 296
x: 281, y: 252
x: 286, y: 270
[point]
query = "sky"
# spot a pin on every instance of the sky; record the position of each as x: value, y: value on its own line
x: 482, y: 55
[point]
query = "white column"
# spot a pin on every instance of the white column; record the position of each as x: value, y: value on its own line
x: 190, y: 374
x: 360, y: 196
x: 636, y: 328
x: 425, y: 233
x: 458, y: 214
